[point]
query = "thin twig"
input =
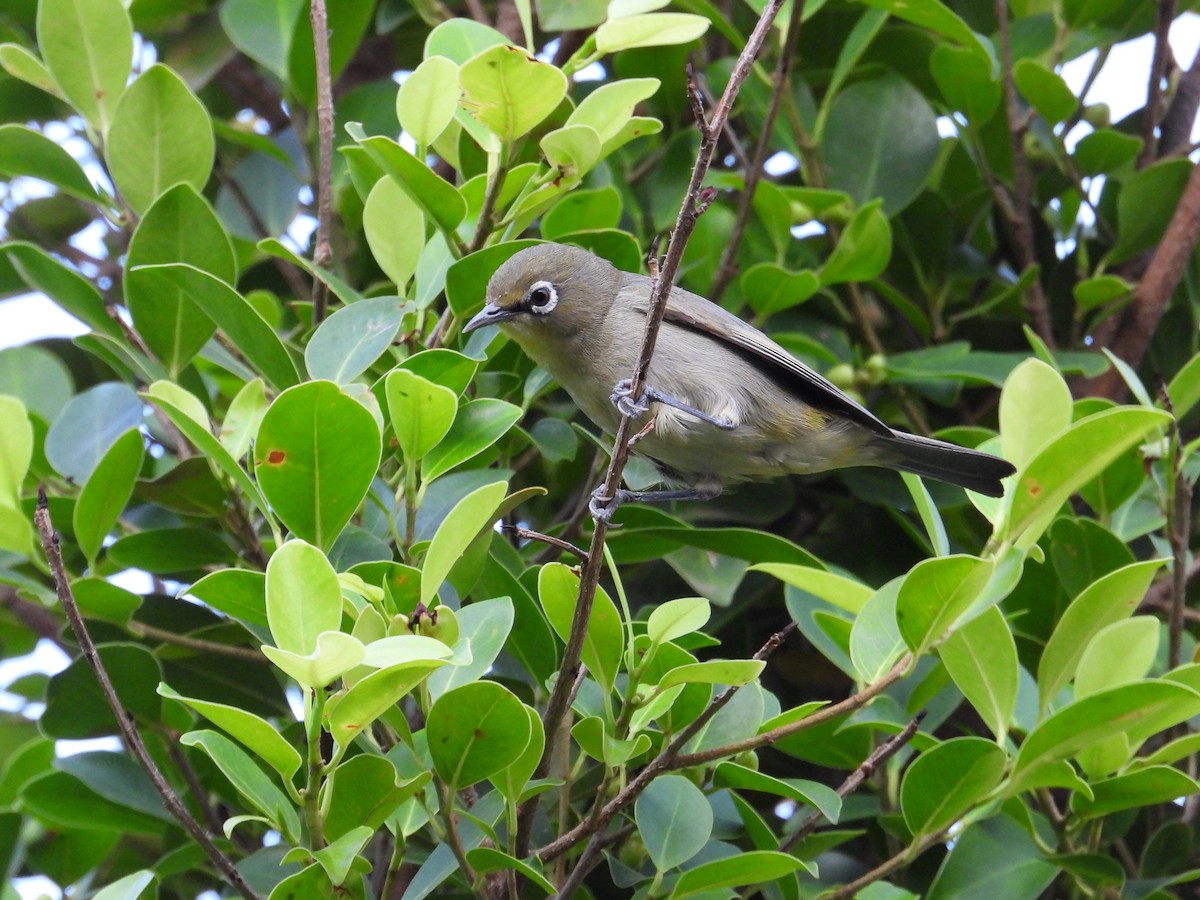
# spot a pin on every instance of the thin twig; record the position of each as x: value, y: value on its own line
x: 885, y: 868
x: 1179, y: 528
x: 125, y: 722
x: 150, y: 632
x: 528, y: 535
x: 322, y: 248
x: 1022, y: 200
x: 685, y: 224
x: 1177, y: 122
x: 1154, y: 91
x: 727, y: 267
x: 865, y: 770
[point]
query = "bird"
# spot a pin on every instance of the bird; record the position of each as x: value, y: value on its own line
x: 727, y: 404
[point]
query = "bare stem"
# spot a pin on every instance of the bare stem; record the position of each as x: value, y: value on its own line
x: 1154, y: 90
x: 125, y: 722
x: 322, y: 248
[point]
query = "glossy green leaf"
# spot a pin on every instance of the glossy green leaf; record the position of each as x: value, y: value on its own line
x: 441, y: 200
x: 1045, y: 90
x: 573, y: 150
x: 676, y: 618
x: 427, y: 98
x: 247, y: 778
x: 25, y: 152
x: 254, y: 732
x: 131, y: 887
x: 394, y: 226
x: 611, y: 105
x: 374, y: 694
x: 460, y: 527
x: 315, y: 456
x: 106, y: 492
x: 1146, y: 787
x: 263, y: 31
x: 1118, y: 654
x: 161, y: 135
x: 88, y: 426
x: 477, y: 426
x: 239, y: 593
x: 714, y: 671
x: 304, y: 599
x: 171, y: 550
x: 674, y: 819
x: 965, y: 79
x: 180, y: 227
x: 1106, y: 150
x: 863, y: 250
x: 754, y: 867
x: 365, y: 790
x: 16, y: 449
x: 995, y: 857
x: 485, y: 626
x: 445, y: 367
x: 460, y: 39
x: 63, y: 285
x: 36, y: 377
x: 981, y: 657
x: 1110, y: 599
x: 948, y: 780
x: 88, y: 48
x: 243, y: 418
x: 1146, y: 204
x: 880, y: 141
x: 1035, y: 406
x: 467, y: 278
x: 421, y: 412
x: 476, y: 731
x: 770, y: 289
x: 66, y: 802
x: 649, y: 30
x: 77, y: 709
x: 350, y: 340
x: 1069, y: 462
x: 604, y: 639
x: 935, y: 593
x: 510, y: 91
x: 488, y: 859
x: 21, y: 64
x: 875, y: 640
x: 514, y: 778
x: 831, y: 587
x: 334, y: 655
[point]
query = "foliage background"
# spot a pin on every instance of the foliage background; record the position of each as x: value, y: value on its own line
x: 257, y: 283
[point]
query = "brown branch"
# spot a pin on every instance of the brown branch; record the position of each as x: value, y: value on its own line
x: 125, y: 722
x: 885, y: 868
x: 1160, y: 593
x: 322, y: 248
x: 527, y: 534
x: 727, y: 267
x: 667, y: 759
x: 1154, y: 91
x: 865, y: 770
x: 685, y: 224
x: 1137, y: 323
x: 200, y: 645
x: 1176, y: 129
x: 1022, y: 199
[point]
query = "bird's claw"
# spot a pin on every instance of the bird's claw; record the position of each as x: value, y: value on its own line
x: 622, y: 399
x: 601, y: 505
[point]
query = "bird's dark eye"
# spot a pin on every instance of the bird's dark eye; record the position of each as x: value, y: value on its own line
x: 542, y: 298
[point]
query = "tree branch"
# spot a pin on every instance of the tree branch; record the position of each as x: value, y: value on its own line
x: 129, y: 733
x: 1154, y: 91
x: 1176, y: 129
x: 322, y: 248
x: 685, y: 223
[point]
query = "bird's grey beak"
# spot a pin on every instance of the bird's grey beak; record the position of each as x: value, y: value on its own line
x: 490, y: 315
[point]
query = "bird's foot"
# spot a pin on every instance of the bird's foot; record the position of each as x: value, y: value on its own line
x: 602, y: 505
x: 622, y: 398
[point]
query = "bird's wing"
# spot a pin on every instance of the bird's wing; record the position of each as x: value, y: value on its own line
x: 694, y: 312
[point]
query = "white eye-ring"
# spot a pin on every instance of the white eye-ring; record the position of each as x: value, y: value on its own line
x: 542, y: 297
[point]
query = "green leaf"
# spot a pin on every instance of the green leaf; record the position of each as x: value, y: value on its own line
x: 16, y: 449
x: 263, y: 31
x: 948, y: 780
x: 604, y: 639
x: 1118, y: 654
x: 248, y: 779
x: 478, y: 425
x: 25, y: 152
x: 844, y: 593
x: 304, y: 598
x: 1045, y: 90
x: 713, y: 671
x: 467, y: 278
x: 315, y: 456
x: 485, y: 860
x: 131, y: 887
x: 573, y: 150
x: 484, y: 626
x: 1035, y: 406
x: 441, y: 200
x: 675, y: 820
x: 1146, y: 204
x: 394, y: 226
x: 981, y: 657
x: 755, y: 867
x: 335, y: 654
x: 350, y: 340
x: 37, y: 378
x: 427, y: 99
x: 243, y: 418
x: 875, y: 640
x: 1110, y: 599
x: 88, y: 48
x: 366, y: 790
x: 476, y: 731
x: 1184, y: 389
x: 460, y: 527
x: 935, y: 593
x: 239, y: 593
x: 965, y: 79
x: 21, y: 64
x: 649, y: 30
x: 863, y: 250
x: 518, y: 773
x: 1069, y: 462
x: 63, y: 285
x: 171, y: 550
x: 374, y: 694
x: 1135, y: 711
x: 420, y: 411
x: 161, y: 135
x: 676, y: 618
x: 76, y: 708
x: 1106, y: 150
x: 510, y: 91
x: 1150, y: 786
x: 337, y: 857
x: 1095, y: 292
x: 460, y: 39
x: 254, y: 732
x: 993, y: 858
x: 937, y: 17
x: 102, y: 600
x: 233, y: 314
x: 106, y: 492
x: 180, y: 227
x: 880, y: 140
x: 769, y: 288
x: 88, y: 426
x: 65, y: 801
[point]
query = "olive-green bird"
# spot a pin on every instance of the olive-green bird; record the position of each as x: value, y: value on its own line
x: 728, y: 403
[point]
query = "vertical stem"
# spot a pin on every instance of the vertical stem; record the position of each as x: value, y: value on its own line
x: 322, y: 248
x: 1152, y: 111
x: 314, y: 711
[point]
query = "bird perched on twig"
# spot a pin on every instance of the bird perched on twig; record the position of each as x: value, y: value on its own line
x: 727, y: 403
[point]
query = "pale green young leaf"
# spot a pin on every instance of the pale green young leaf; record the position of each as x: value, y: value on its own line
x: 304, y: 599
x: 88, y: 49
x: 426, y: 100
x: 460, y: 527
x: 421, y: 412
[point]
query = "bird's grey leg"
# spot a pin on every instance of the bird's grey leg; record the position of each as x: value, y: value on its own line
x: 623, y: 401
x: 602, y: 506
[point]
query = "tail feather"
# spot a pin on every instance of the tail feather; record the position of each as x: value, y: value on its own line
x: 971, y: 469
